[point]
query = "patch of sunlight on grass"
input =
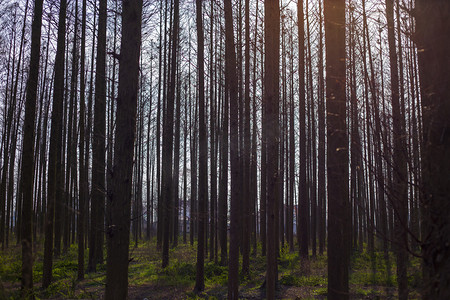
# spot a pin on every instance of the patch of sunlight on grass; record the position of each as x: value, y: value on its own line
x: 299, y: 281
x: 322, y: 291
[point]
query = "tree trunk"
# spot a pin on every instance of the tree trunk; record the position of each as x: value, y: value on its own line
x: 118, y: 219
x: 302, y: 218
x: 168, y: 140
x: 213, y: 132
x: 321, y: 180
x: 98, y: 146
x: 28, y: 152
x: 84, y: 184
x: 399, y: 190
x: 176, y: 174
x: 223, y: 185
x: 203, y: 156
x: 432, y: 31
x: 337, y: 154
x: 232, y: 89
x: 271, y: 124
x: 54, y: 172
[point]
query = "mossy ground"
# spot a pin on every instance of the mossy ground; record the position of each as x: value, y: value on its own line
x: 297, y: 279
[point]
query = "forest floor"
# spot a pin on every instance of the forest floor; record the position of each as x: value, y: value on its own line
x: 147, y: 280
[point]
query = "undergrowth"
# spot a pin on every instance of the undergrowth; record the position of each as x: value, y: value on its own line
x: 368, y: 274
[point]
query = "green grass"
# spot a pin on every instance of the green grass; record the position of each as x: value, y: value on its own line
x: 368, y: 277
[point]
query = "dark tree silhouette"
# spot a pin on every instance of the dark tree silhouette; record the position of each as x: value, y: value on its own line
x: 167, y: 179
x: 232, y: 90
x: 337, y: 149
x: 203, y: 155
x: 118, y: 217
x: 28, y: 152
x: 272, y: 134
x: 98, y: 147
x: 54, y: 164
x: 84, y: 184
x: 432, y: 31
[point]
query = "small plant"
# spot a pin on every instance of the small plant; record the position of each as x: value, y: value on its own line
x: 322, y: 291
x: 178, y: 274
x: 289, y: 280
x: 299, y: 281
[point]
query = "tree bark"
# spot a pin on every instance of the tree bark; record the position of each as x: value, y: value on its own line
x: 118, y: 219
x: 84, y: 184
x: 28, y: 152
x: 302, y: 218
x: 399, y: 190
x: 271, y: 124
x: 54, y: 172
x: 98, y: 192
x: 337, y: 149
x: 432, y: 31
x: 168, y: 140
x: 203, y: 156
x: 232, y: 88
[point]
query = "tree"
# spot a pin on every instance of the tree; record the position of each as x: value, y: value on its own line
x: 271, y: 127
x: 232, y: 89
x: 203, y: 156
x: 213, y: 132
x: 54, y: 164
x: 337, y: 149
x: 28, y: 152
x: 98, y: 146
x: 167, y: 178
x: 321, y: 194
x: 118, y: 217
x: 245, y: 153
x: 399, y: 190
x: 176, y: 167
x: 84, y: 184
x: 223, y: 184
x: 302, y: 231
x: 432, y: 31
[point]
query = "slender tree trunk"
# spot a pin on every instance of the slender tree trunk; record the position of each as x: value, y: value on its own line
x: 432, y: 30
x: 150, y: 166
x: 203, y: 156
x: 89, y: 132
x: 321, y: 148
x: 223, y: 185
x: 399, y: 188
x: 168, y: 139
x: 118, y: 219
x: 312, y: 144
x: 245, y: 153
x: 271, y: 124
x: 84, y: 184
x: 263, y: 191
x: 185, y: 133
x: 212, y: 99
x: 112, y: 100
x: 254, y: 157
x: 176, y: 168
x: 54, y: 171
x: 98, y: 192
x: 302, y: 219
x: 72, y: 130
x: 337, y: 154
x: 232, y: 88
x: 158, y: 136
x: 28, y: 152
x: 193, y: 142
